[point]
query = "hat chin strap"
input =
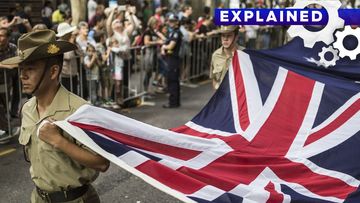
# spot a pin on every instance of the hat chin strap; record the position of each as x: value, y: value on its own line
x: 41, y: 78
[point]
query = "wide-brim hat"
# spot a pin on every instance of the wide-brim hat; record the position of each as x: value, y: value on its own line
x: 64, y: 28
x: 38, y: 45
x: 227, y: 29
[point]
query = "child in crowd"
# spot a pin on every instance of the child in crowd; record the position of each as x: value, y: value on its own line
x: 105, y: 71
x: 92, y: 64
x: 118, y: 52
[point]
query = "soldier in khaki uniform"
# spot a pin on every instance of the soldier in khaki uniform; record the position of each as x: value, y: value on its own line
x: 221, y: 58
x: 61, y: 168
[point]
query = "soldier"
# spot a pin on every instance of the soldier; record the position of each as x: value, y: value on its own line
x: 221, y: 58
x: 61, y: 167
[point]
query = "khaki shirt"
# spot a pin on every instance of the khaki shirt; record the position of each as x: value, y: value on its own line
x: 219, y: 65
x: 51, y: 169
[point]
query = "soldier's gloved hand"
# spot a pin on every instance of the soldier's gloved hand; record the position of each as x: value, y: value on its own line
x: 50, y: 133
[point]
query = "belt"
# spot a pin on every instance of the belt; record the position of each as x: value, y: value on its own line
x: 62, y: 196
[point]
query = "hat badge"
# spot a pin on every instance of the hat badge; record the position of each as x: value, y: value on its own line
x: 21, y: 54
x: 53, y: 49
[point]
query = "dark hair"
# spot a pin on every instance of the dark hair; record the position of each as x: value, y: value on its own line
x: 56, y: 60
x: 207, y: 10
x: 98, y: 35
x: 185, y: 8
x: 98, y: 18
x: 7, y: 30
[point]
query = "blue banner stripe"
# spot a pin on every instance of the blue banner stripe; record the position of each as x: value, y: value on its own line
x: 115, y: 148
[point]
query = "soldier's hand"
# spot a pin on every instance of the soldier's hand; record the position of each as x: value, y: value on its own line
x: 50, y: 133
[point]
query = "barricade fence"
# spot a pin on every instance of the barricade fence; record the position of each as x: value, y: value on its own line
x: 143, y: 65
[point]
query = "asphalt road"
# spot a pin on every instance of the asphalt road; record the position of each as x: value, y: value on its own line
x: 115, y: 185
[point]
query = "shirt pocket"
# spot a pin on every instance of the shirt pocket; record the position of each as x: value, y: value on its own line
x: 25, y: 134
x: 217, y: 72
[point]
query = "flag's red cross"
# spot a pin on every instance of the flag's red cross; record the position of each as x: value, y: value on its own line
x: 248, y: 159
x: 270, y: 145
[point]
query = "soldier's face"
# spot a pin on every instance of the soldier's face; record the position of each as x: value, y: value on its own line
x: 227, y: 39
x: 30, y: 75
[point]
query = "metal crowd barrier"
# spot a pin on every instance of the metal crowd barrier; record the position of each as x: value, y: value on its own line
x: 196, y: 63
x: 7, y: 93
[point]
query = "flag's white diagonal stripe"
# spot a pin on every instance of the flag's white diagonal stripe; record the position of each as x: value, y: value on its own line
x: 207, y: 130
x: 234, y: 101
x: 269, y: 105
x: 334, y: 138
x: 128, y: 126
x: 252, y: 91
x: 337, y: 113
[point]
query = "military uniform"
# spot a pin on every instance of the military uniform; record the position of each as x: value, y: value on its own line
x: 219, y: 66
x: 52, y: 170
x: 57, y: 177
x: 220, y: 61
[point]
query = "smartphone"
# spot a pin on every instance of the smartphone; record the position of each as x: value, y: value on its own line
x: 122, y: 8
x: 19, y: 21
x: 113, y: 3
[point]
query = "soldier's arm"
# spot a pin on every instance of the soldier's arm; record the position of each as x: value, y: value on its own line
x: 50, y: 134
x: 211, y: 74
x: 82, y: 155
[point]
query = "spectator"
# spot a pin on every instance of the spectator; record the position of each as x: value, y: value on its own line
x: 152, y: 38
x: 69, y: 72
x: 7, y: 50
x: 46, y: 13
x: 59, y: 14
x: 159, y: 17
x: 120, y: 45
x: 98, y: 13
x: 82, y: 41
x: 91, y: 5
x: 105, y: 71
x: 251, y: 35
x: 147, y: 12
x: 99, y: 25
x: 186, y: 13
x: 92, y: 64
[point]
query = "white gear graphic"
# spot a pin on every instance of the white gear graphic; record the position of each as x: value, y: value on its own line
x: 326, y: 34
x: 331, y: 62
x: 338, y: 44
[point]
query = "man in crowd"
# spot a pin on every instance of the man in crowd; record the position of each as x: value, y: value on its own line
x: 7, y: 50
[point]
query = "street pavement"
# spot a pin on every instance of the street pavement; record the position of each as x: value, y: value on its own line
x: 115, y: 185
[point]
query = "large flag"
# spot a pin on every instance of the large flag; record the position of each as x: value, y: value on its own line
x: 279, y: 129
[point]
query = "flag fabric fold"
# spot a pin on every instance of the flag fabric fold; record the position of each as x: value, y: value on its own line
x: 277, y: 130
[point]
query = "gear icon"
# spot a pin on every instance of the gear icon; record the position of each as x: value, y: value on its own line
x: 332, y: 62
x: 338, y: 44
x: 326, y: 34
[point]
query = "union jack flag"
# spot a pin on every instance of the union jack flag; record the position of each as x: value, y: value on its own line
x: 273, y: 132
